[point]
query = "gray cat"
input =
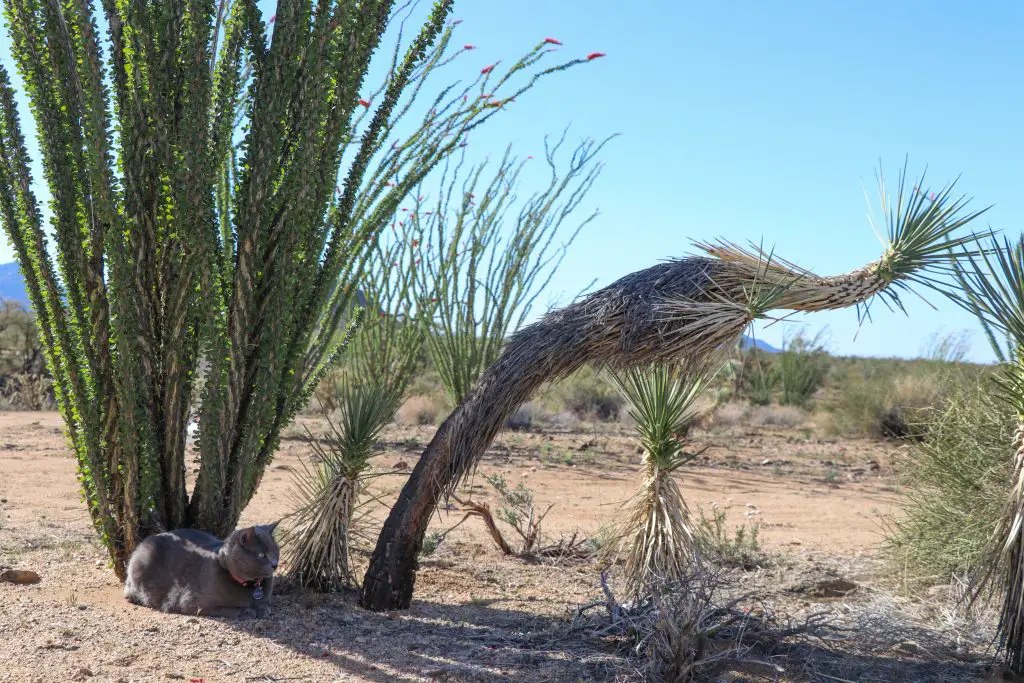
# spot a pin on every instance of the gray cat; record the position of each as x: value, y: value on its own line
x: 192, y: 572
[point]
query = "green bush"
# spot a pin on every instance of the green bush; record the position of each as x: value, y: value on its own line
x: 586, y: 394
x: 889, y: 398
x: 759, y: 380
x: 957, y: 483
x: 802, y: 367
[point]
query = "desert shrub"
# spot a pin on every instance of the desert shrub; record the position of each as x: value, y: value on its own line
x: 957, y: 482
x: 890, y: 398
x: 523, y: 419
x: 760, y: 377
x: 801, y: 367
x: 25, y: 381
x: 586, y: 395
x: 516, y: 509
x: 420, y: 410
x: 949, y: 347
x: 741, y: 549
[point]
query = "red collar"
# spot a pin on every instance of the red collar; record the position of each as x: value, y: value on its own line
x: 255, y: 583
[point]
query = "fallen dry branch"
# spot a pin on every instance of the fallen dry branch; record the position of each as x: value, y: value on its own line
x: 483, y: 511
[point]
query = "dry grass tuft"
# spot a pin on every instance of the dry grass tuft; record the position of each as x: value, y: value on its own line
x: 420, y: 410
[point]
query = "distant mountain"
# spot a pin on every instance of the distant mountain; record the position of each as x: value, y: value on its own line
x: 11, y: 285
x: 746, y: 342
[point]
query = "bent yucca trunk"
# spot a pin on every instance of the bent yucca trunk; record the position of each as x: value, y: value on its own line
x: 197, y: 213
x: 689, y: 309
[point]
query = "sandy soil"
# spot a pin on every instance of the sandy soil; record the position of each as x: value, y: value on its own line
x: 478, y: 615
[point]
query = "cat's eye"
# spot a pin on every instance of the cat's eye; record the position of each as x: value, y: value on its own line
x: 263, y: 556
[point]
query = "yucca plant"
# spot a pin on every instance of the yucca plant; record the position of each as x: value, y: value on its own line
x: 993, y: 289
x: 330, y: 492
x: 656, y: 534
x: 366, y: 389
x: 689, y: 309
x: 213, y: 193
x: 497, y: 253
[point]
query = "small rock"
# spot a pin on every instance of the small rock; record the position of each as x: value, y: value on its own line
x: 174, y: 676
x: 401, y: 465
x: 83, y: 607
x: 191, y: 620
x: 152, y: 629
x: 767, y: 461
x: 83, y: 674
x: 19, y: 576
x: 910, y: 647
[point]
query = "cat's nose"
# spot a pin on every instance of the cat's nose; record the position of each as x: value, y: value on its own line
x: 273, y: 565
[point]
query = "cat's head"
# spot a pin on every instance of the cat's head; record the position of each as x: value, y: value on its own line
x: 251, y: 553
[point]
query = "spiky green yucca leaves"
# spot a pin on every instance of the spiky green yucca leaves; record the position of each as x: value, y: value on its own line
x: 317, y: 543
x: 993, y: 289
x: 921, y: 248
x: 193, y: 165
x: 655, y: 532
x: 497, y: 254
x: 366, y: 388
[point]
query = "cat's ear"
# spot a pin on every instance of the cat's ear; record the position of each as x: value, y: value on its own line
x: 270, y: 527
x: 247, y: 536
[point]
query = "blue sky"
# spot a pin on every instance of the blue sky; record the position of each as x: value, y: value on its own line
x: 767, y: 121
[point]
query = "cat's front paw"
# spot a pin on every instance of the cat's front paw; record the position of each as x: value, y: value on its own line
x: 263, y: 611
x: 247, y: 613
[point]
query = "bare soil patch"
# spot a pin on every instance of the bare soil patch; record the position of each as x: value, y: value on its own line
x: 478, y: 615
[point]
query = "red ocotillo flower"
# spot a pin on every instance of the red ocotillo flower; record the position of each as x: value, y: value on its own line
x: 469, y: 46
x: 552, y: 41
x: 487, y: 69
x: 365, y: 103
x: 594, y: 55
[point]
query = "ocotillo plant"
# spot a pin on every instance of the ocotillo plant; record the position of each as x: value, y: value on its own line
x: 193, y: 165
x: 692, y: 308
x: 655, y: 533
x: 497, y: 254
x: 993, y: 288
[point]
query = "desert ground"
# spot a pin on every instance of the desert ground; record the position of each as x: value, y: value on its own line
x: 478, y: 615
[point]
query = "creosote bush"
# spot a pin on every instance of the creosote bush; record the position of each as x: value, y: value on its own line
x: 956, y: 483
x: 802, y: 367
